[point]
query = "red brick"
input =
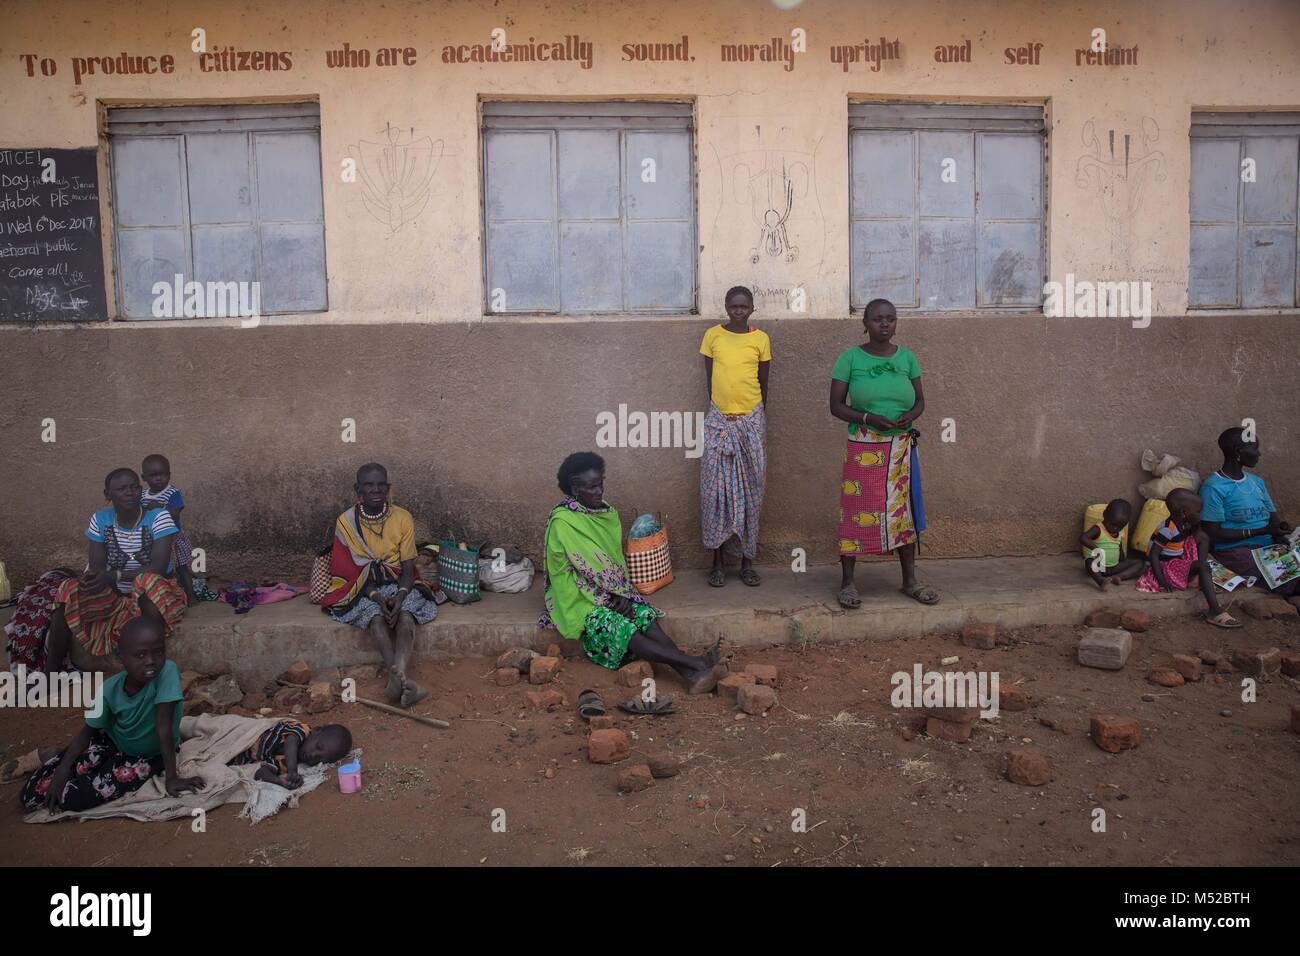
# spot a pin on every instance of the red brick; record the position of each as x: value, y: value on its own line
x: 728, y: 686
x: 1014, y: 699
x: 631, y: 675
x: 635, y: 779
x: 1027, y: 767
x: 608, y: 746
x: 1135, y: 621
x: 765, y: 674
x: 1164, y: 677
x: 956, y: 731
x: 319, y: 698
x: 1188, y: 666
x: 1257, y: 662
x: 506, y: 676
x: 542, y: 670
x: 981, y: 636
x: 548, y: 699
x: 553, y: 650
x: 1102, y: 617
x: 1267, y: 608
x: 755, y: 699
x: 195, y: 706
x: 1113, y: 734
x: 298, y: 673
x: 1290, y: 661
x: 603, y: 722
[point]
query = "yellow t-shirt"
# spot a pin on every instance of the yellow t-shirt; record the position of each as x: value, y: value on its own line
x: 397, y: 543
x: 735, y: 367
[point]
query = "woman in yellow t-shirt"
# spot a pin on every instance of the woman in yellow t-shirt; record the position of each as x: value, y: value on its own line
x: 374, y: 583
x: 733, y: 468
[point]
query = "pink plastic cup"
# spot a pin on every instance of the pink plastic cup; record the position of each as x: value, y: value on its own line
x: 350, y: 777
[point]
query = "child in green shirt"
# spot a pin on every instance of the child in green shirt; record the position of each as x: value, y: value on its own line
x: 134, y: 735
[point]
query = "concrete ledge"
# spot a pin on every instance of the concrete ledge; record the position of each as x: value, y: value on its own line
x: 1009, y: 592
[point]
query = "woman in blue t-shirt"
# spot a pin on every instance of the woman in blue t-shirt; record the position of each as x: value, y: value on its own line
x: 129, y: 573
x: 1239, y: 515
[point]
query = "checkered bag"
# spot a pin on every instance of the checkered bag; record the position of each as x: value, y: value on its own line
x: 458, y: 572
x: 320, y: 575
x: 649, y: 564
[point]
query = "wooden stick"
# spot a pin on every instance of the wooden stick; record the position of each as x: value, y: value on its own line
x: 387, y: 708
x: 431, y: 721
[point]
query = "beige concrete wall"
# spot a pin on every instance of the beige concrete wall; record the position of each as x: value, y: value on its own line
x: 1050, y: 414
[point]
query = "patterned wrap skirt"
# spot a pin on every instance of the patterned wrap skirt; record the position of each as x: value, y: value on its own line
x: 96, y: 620
x: 880, y: 507
x: 733, y: 473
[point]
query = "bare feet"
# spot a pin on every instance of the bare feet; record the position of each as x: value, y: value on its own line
x: 412, y: 693
x: 396, y: 683
x: 714, y: 654
x: 706, y: 680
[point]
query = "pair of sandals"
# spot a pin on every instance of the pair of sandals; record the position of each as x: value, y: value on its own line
x: 718, y: 577
x: 921, y: 593
x: 590, y: 705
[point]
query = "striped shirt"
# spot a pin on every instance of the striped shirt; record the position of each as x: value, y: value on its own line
x: 1171, y: 540
x: 169, y: 497
x: 129, y: 548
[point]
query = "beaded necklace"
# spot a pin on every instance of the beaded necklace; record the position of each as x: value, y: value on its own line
x: 369, y: 520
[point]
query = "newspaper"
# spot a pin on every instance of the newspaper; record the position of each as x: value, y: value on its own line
x: 1226, y: 578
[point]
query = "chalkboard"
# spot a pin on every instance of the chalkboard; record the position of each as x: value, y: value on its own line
x: 51, y: 259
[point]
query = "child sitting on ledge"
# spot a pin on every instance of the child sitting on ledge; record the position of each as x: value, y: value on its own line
x: 1107, y: 537
x: 1178, y: 552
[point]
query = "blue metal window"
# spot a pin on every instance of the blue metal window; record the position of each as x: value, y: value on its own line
x: 946, y: 205
x: 588, y: 208
x: 227, y: 193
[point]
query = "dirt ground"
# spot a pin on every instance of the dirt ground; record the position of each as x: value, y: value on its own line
x: 1201, y: 788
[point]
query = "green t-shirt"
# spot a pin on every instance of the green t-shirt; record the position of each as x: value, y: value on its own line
x: 131, y: 721
x: 878, y: 386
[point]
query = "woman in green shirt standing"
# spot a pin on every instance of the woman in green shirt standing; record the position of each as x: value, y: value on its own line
x: 876, y: 388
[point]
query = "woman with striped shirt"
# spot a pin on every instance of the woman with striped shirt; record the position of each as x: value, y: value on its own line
x: 130, y: 573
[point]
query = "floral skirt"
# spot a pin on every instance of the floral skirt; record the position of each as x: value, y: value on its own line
x: 102, y: 773
x: 606, y: 633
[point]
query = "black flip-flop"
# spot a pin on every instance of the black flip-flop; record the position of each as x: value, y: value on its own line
x: 639, y: 707
x: 590, y: 705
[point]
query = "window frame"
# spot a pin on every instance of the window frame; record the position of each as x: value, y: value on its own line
x: 1240, y: 125
x: 180, y: 120
x: 626, y: 116
x: 914, y: 116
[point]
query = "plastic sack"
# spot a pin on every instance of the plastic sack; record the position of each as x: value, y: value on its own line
x: 1154, y: 514
x: 512, y: 578
x: 644, y: 526
x: 1177, y: 477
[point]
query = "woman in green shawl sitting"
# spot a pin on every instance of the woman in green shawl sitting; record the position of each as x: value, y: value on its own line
x: 589, y: 596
